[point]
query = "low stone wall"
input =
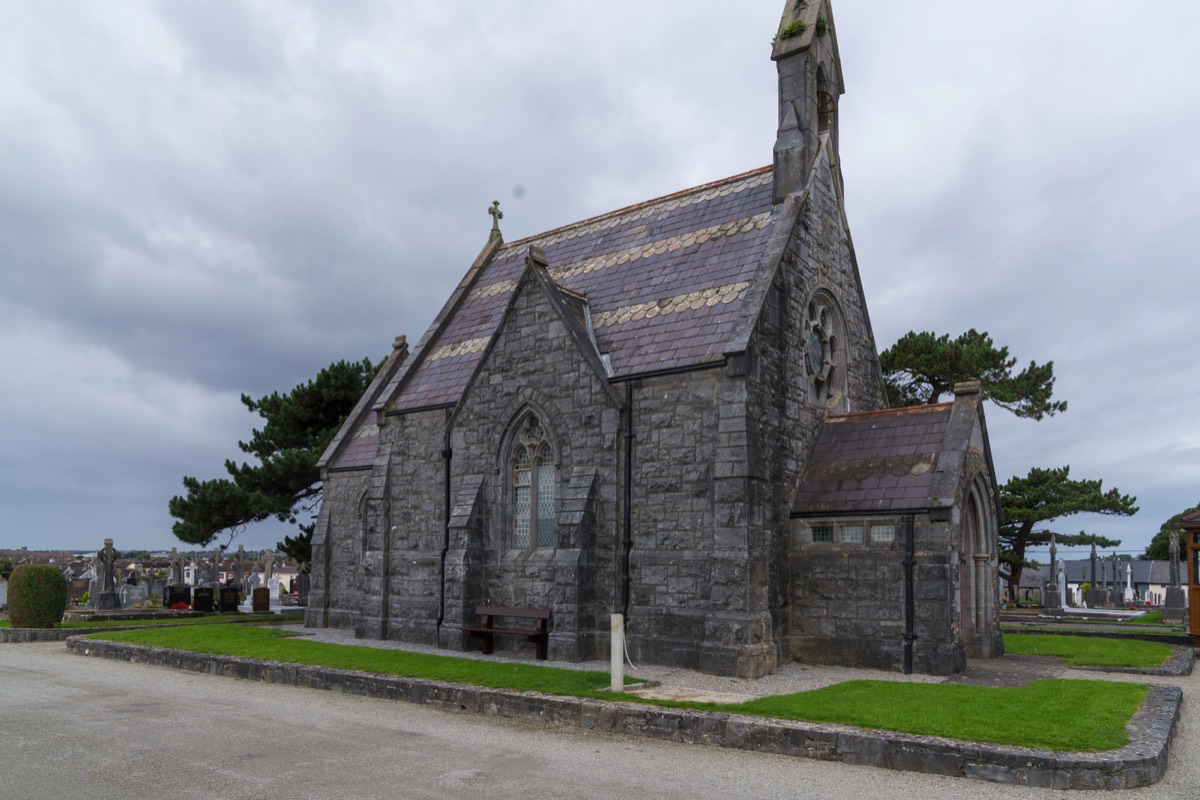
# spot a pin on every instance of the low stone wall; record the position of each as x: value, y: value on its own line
x: 1181, y: 639
x: 1140, y: 763
x: 26, y: 635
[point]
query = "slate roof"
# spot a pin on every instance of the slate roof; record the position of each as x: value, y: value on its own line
x: 664, y: 281
x: 656, y: 286
x: 875, y: 461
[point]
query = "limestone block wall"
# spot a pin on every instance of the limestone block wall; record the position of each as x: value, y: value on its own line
x: 335, y: 593
x: 696, y: 600
x: 848, y: 599
x: 784, y: 414
x: 406, y: 530
x: 535, y: 365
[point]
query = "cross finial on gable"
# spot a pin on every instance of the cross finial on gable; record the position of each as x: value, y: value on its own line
x: 497, y: 215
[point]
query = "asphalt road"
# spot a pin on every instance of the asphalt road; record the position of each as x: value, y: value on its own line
x: 73, y: 727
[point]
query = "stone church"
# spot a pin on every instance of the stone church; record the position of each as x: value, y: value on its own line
x: 673, y: 411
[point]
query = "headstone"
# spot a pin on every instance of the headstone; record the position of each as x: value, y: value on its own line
x: 1094, y: 597
x: 203, y: 571
x: 175, y: 575
x: 107, y: 558
x: 304, y: 584
x: 1130, y: 595
x: 261, y: 600
x: 1175, y: 605
x: 202, y: 598
x: 1052, y: 599
x: 1114, y: 591
x: 132, y: 594
x: 177, y: 593
x: 239, y: 568
x: 230, y: 597
x: 76, y: 589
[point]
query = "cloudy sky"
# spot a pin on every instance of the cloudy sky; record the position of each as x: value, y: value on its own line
x: 202, y: 199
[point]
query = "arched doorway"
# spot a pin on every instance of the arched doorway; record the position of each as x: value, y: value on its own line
x: 977, y: 576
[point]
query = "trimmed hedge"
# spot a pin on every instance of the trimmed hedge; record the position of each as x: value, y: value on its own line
x: 37, y: 596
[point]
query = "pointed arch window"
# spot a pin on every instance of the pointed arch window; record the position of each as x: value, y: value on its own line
x: 534, y: 479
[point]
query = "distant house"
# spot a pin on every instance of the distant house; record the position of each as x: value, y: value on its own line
x: 1150, y: 580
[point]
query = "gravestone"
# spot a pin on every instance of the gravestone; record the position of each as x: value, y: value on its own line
x: 107, y: 562
x: 1094, y: 598
x: 303, y: 584
x: 177, y: 593
x: 239, y: 568
x: 132, y: 594
x: 261, y: 600
x: 76, y: 589
x: 230, y: 597
x: 175, y: 574
x: 1175, y: 607
x: 202, y: 598
x: 1052, y: 601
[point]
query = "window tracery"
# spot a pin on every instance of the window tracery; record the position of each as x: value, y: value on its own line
x: 825, y: 349
x: 534, y: 478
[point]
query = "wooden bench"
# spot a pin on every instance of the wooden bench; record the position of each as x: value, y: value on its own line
x: 487, y: 630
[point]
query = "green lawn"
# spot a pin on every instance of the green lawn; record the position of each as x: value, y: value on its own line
x: 1072, y: 715
x: 260, y: 619
x: 1086, y: 651
x: 1068, y: 715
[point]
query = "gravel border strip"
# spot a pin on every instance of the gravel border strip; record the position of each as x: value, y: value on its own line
x: 1140, y: 763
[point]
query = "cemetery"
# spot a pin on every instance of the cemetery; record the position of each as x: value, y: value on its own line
x: 744, y: 511
x: 773, y: 723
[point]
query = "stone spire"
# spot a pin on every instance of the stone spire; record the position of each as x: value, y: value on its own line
x: 810, y: 82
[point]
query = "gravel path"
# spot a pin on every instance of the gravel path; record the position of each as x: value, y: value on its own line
x: 673, y: 683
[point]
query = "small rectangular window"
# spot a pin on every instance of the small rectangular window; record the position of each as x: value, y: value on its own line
x: 883, y: 533
x: 822, y: 533
x: 852, y: 534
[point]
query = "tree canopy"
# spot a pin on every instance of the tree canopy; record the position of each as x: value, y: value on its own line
x: 285, y: 483
x: 921, y: 367
x: 1043, y: 496
x: 1159, y: 548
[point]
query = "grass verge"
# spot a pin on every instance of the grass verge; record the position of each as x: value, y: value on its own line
x: 1064, y: 715
x: 1061, y: 715
x: 1086, y: 651
x: 259, y: 619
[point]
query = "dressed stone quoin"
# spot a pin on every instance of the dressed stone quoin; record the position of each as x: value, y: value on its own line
x: 675, y: 412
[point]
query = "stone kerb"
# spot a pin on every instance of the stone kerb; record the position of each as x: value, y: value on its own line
x: 1140, y: 763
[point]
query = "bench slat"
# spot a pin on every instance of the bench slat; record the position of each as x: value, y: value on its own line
x: 501, y: 611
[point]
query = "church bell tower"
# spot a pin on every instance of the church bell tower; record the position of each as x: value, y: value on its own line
x: 810, y: 84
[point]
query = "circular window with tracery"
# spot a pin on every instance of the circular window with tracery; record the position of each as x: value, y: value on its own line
x: 825, y: 349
